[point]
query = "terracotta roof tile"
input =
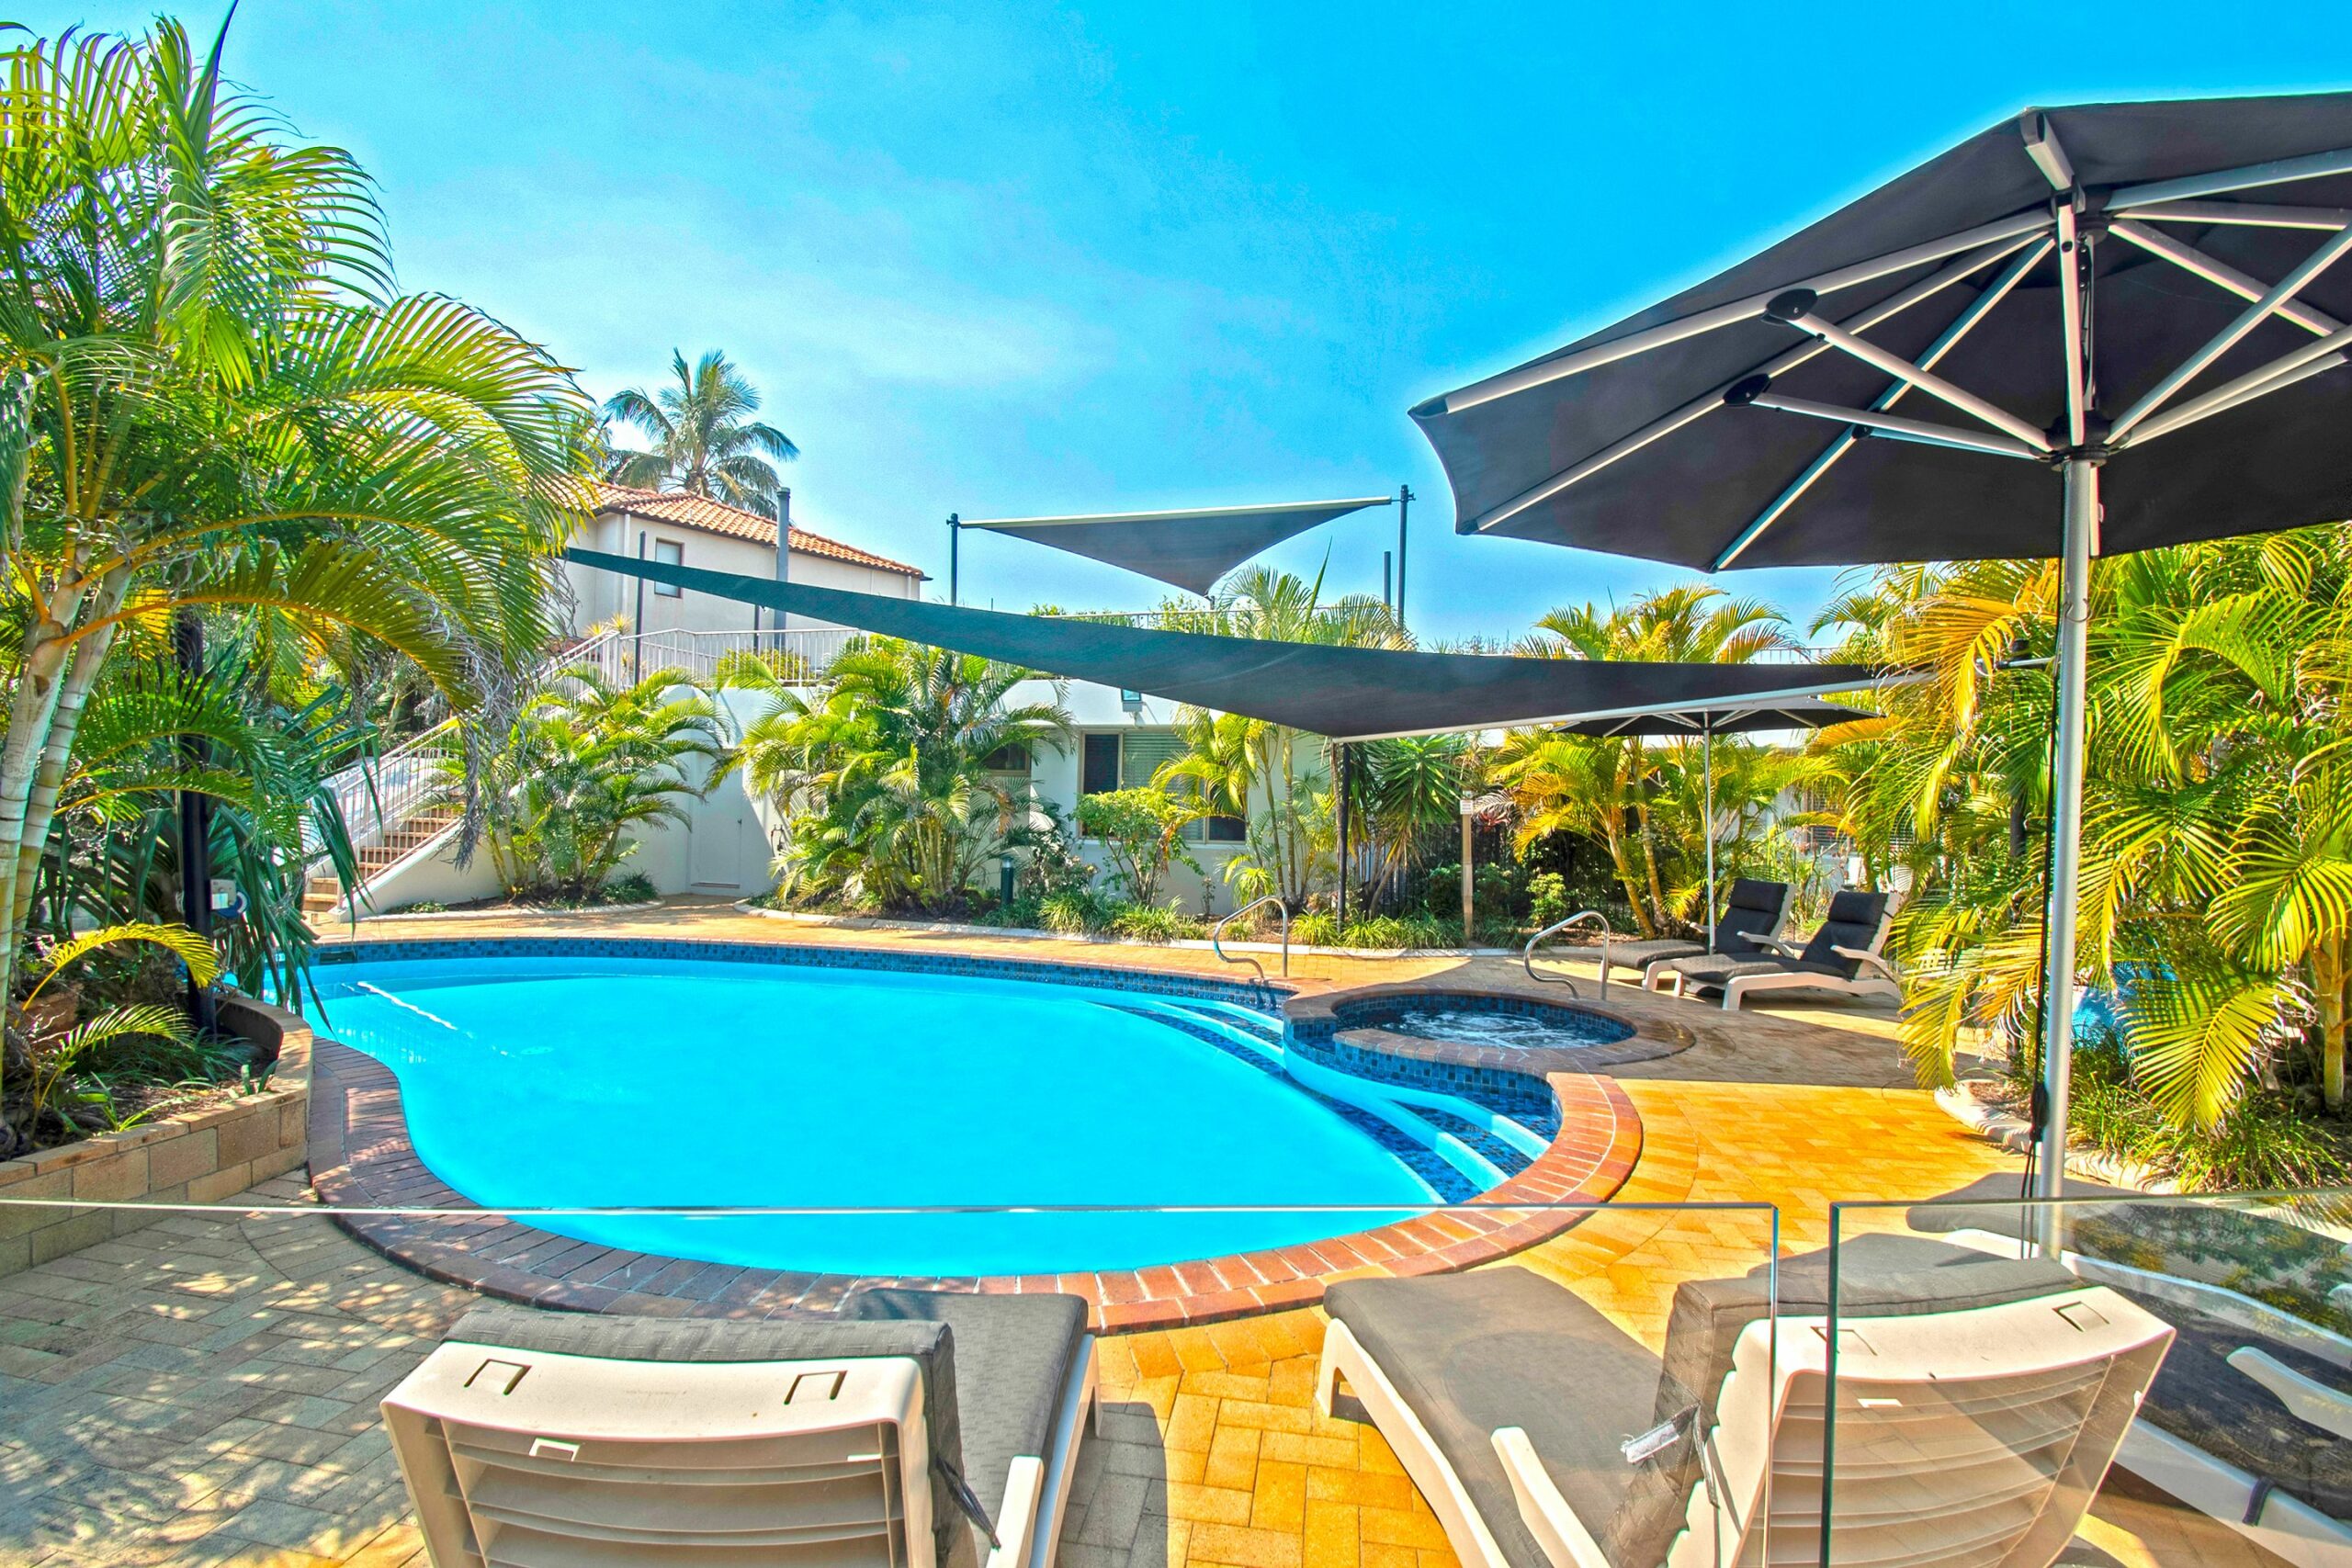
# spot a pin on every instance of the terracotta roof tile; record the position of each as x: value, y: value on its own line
x: 686, y: 509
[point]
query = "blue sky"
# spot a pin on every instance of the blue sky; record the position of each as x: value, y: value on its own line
x: 1012, y: 259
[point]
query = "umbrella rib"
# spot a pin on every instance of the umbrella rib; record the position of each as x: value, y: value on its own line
x: 2253, y: 316
x: 1960, y: 326
x: 1780, y: 365
x: 2214, y: 270
x: 2242, y: 214
x: 1561, y: 366
x: 1926, y: 380
x: 1997, y: 444
x: 2311, y: 359
x: 2310, y: 166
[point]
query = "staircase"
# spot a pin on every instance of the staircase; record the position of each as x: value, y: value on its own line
x: 323, y: 895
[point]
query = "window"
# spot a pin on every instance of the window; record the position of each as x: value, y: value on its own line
x: 1101, y: 772
x: 1008, y: 759
x: 1228, y: 830
x: 669, y: 552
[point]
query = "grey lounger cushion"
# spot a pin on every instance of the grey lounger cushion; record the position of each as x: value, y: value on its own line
x: 1753, y: 908
x: 1853, y: 923
x: 1879, y: 1276
x: 1507, y: 1348
x: 993, y: 1369
x: 1013, y: 1356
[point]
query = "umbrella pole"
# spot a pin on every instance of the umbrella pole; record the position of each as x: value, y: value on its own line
x: 1707, y: 753
x: 2066, y: 821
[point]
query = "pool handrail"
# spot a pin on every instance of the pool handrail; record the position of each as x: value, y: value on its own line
x: 1527, y: 953
x: 1218, y: 931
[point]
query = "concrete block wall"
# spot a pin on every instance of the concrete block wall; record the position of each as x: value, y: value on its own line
x: 197, y: 1157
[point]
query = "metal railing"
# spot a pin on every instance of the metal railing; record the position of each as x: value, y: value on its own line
x: 1527, y: 953
x: 1218, y: 931
x: 800, y: 656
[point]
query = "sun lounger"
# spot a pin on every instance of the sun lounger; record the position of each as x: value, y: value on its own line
x: 921, y: 1429
x: 1754, y: 909
x: 1980, y: 1402
x: 1842, y: 956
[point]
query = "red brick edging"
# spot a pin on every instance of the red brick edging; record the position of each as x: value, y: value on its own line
x: 361, y: 1157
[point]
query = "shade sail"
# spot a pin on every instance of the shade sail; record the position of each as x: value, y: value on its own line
x: 1348, y: 694
x: 1624, y: 440
x: 1190, y: 549
x: 1744, y: 718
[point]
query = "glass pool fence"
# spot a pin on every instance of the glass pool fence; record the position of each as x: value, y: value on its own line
x: 1970, y: 1381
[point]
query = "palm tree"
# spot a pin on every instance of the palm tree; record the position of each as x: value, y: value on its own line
x: 1616, y: 790
x: 586, y: 766
x: 704, y: 438
x: 2217, y: 858
x: 884, y: 774
x: 1235, y: 761
x: 212, y: 397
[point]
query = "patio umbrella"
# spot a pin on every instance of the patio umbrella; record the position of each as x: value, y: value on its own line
x: 1706, y: 723
x: 2082, y: 332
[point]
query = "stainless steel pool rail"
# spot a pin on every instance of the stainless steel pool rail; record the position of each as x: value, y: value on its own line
x: 1527, y: 953
x: 1218, y: 931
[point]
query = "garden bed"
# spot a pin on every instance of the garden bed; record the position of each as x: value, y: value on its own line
x: 199, y: 1154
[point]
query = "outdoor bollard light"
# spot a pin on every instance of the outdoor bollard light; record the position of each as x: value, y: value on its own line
x: 1469, y: 810
x: 1004, y: 879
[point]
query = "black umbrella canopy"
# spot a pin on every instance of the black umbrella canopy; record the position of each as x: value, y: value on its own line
x: 1347, y: 694
x: 2175, y: 221
x: 1741, y: 719
x: 1191, y: 550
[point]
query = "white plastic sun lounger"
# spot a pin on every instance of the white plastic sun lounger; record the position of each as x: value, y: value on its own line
x: 928, y: 1430
x: 1542, y: 1436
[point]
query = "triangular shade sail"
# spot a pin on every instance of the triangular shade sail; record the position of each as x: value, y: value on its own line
x: 1347, y: 694
x: 1190, y: 549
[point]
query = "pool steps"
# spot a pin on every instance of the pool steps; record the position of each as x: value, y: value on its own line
x: 1392, y: 1103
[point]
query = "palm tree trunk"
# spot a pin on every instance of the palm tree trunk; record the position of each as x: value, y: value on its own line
x: 1613, y: 834
x: 2328, y: 982
x: 48, y: 779
x: 38, y: 686
x: 1649, y: 864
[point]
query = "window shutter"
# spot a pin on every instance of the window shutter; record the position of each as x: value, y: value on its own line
x: 1142, y: 755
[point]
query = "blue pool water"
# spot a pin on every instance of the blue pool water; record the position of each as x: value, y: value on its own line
x: 599, y: 1082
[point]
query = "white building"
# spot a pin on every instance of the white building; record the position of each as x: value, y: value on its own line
x: 727, y: 848
x: 682, y: 529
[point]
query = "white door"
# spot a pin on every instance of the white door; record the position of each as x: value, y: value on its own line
x: 715, y: 847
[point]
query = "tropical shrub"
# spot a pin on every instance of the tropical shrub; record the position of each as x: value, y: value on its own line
x: 1142, y: 832
x: 884, y: 774
x: 586, y: 766
x: 57, y: 1058
x: 2217, y: 844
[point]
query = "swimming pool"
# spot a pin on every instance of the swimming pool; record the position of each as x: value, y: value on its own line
x: 599, y: 1079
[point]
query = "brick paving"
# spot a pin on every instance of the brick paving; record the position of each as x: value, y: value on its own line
x: 201, y: 1392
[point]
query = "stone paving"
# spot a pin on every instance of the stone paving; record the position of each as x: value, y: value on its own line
x: 202, y: 1391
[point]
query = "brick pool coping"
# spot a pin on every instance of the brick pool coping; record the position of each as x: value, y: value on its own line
x: 361, y: 1157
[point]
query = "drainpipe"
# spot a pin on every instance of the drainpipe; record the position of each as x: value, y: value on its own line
x: 637, y: 643
x: 195, y: 824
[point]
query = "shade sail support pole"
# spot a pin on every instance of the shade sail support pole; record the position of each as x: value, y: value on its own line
x: 954, y: 558
x: 1707, y: 754
x: 2066, y: 818
x: 1404, y: 512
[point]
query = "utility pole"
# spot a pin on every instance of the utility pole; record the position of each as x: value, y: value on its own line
x: 955, y: 556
